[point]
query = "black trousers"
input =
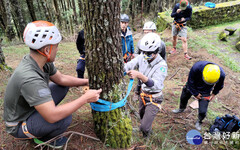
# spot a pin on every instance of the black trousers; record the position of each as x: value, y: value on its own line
x: 203, y: 103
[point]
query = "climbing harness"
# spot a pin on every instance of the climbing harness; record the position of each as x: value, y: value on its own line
x: 179, y: 26
x: 206, y: 98
x: 127, y: 57
x: 25, y: 130
x: 150, y: 97
x: 82, y: 58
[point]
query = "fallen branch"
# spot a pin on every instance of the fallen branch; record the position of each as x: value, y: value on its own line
x: 189, y: 114
x: 42, y: 145
x: 226, y: 108
x: 174, y: 74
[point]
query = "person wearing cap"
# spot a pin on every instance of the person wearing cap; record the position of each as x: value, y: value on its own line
x: 152, y: 73
x: 127, y: 39
x: 36, y: 87
x: 205, y: 80
x: 181, y: 13
x: 150, y: 27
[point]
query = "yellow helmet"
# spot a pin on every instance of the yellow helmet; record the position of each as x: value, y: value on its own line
x: 211, y: 73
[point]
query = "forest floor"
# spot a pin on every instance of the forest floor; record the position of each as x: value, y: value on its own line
x: 169, y: 130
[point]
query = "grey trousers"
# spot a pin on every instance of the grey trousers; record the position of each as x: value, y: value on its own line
x: 147, y: 114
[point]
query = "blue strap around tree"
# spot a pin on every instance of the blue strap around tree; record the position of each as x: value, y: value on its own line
x: 105, y: 106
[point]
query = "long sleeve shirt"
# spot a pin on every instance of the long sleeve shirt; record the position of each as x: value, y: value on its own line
x: 127, y: 42
x: 196, y: 84
x: 187, y: 13
x: 155, y: 71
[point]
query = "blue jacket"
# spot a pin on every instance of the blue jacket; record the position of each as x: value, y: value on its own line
x: 187, y: 13
x: 196, y: 84
x: 127, y: 40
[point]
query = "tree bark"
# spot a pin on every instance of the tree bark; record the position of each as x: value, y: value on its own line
x: 57, y: 13
x: 2, y: 58
x: 147, y: 6
x: 46, y: 10
x: 80, y: 8
x: 104, y: 63
x: 31, y: 9
x: 75, y: 13
x: 133, y: 12
x: 18, y: 18
x: 9, y: 28
x: 3, y: 17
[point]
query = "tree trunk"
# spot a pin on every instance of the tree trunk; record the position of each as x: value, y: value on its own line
x: 9, y: 29
x: 104, y: 63
x: 133, y: 12
x: 147, y: 6
x: 75, y: 13
x: 160, y: 5
x: 18, y: 18
x: 141, y: 13
x: 31, y: 9
x: 47, y: 13
x: 2, y: 58
x: 57, y: 13
x: 3, y: 17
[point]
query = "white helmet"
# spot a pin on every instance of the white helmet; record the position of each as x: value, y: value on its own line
x: 150, y: 42
x: 41, y: 33
x: 150, y: 26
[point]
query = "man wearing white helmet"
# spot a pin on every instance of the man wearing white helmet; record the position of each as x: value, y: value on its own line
x: 150, y: 27
x: 127, y: 39
x: 31, y: 107
x: 152, y: 72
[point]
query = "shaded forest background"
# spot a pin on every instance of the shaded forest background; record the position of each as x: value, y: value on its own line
x: 67, y: 14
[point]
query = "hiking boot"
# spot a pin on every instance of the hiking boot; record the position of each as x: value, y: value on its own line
x: 198, y: 125
x: 176, y: 111
x: 173, y: 51
x: 55, y: 144
x: 187, y: 57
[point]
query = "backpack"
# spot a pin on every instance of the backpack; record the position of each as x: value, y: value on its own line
x: 226, y: 123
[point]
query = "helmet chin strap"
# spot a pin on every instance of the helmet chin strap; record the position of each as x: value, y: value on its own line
x: 46, y: 55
